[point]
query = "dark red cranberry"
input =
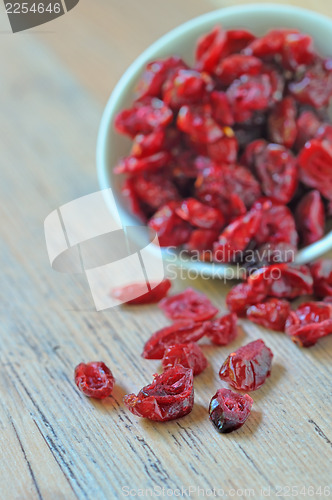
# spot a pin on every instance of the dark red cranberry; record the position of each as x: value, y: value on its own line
x: 94, y: 379
x: 229, y: 410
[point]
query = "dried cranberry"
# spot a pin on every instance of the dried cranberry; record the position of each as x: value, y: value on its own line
x: 133, y: 165
x: 243, y: 296
x: 310, y: 218
x: 277, y: 223
x: 200, y: 215
x: 321, y: 272
x: 324, y: 133
x: 94, y: 379
x: 197, y: 121
x: 229, y: 410
x: 136, y: 292
x: 269, y: 254
x: 169, y: 396
x: 189, y: 304
x: 272, y: 313
x: 315, y: 161
x: 188, y: 355
x: 202, y: 239
x: 247, y: 368
x: 282, y: 123
x: 144, y: 117
x: 209, y: 49
x: 223, y: 330
x: 185, y: 86
x: 236, y: 65
x: 221, y: 110
x: 247, y: 95
x: 155, y: 75
x: 315, y: 86
x: 155, y: 189
x: 307, y: 127
x: 180, y: 332
x: 224, y: 149
x: 129, y: 193
x: 270, y: 44
x: 224, y: 187
x: 276, y: 168
x: 310, y: 322
x: 282, y: 281
x: 170, y: 228
x: 236, y: 237
x: 297, y: 50
x: 147, y: 145
x: 236, y: 41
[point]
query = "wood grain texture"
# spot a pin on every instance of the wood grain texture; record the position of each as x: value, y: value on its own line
x: 55, y: 443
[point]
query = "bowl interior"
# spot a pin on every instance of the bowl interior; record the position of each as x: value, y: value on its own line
x: 181, y: 41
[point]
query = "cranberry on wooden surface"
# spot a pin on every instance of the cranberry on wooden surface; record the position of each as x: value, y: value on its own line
x: 169, y: 396
x: 188, y: 355
x: 228, y: 410
x: 94, y: 379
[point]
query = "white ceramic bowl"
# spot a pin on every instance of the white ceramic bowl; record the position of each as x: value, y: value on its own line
x: 181, y: 41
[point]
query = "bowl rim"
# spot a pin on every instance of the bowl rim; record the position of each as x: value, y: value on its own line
x: 315, y: 250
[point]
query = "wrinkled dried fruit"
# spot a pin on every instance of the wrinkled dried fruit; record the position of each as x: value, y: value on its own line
x: 282, y: 123
x: 282, y: 281
x: 136, y: 293
x: 314, y: 86
x: 241, y: 296
x: 310, y: 322
x: 321, y: 272
x: 189, y: 304
x: 277, y: 170
x: 236, y: 65
x: 170, y: 228
x: 315, y: 161
x: 223, y: 330
x: 200, y: 215
x: 277, y: 223
x: 201, y: 240
x: 188, y: 355
x: 236, y: 237
x: 209, y: 49
x: 229, y: 410
x: 180, y: 332
x: 310, y: 218
x: 247, y: 368
x: 272, y: 314
x: 184, y: 87
x: 155, y: 75
x: 94, y: 379
x: 307, y: 126
x: 144, y: 117
x: 247, y: 95
x: 169, y: 396
x: 155, y: 189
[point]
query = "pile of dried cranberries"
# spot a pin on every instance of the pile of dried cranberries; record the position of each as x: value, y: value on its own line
x: 230, y: 156
x: 234, y: 153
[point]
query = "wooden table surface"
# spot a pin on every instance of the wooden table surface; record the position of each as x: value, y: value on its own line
x: 55, y: 443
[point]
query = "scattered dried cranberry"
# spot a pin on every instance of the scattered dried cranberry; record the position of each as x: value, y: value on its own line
x: 188, y: 355
x: 282, y: 281
x: 229, y: 410
x: 136, y: 293
x: 310, y: 322
x: 180, y: 332
x: 247, y: 368
x: 321, y: 272
x: 223, y: 330
x: 169, y: 396
x: 94, y: 379
x: 272, y: 313
x: 242, y: 296
x: 310, y: 218
x: 189, y: 304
